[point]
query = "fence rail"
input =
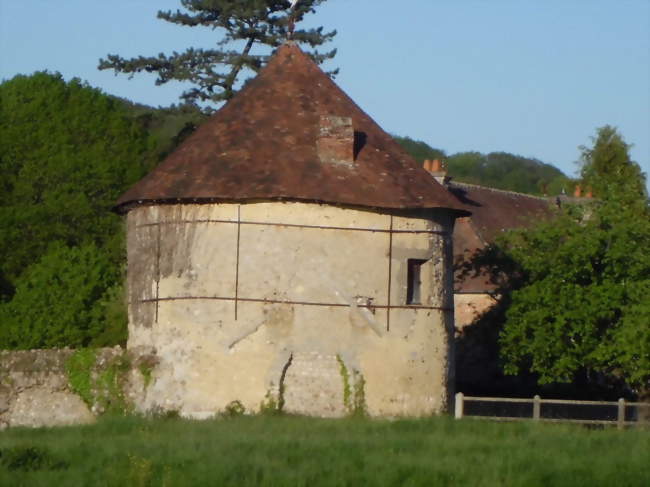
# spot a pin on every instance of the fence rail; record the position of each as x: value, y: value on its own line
x: 621, y: 420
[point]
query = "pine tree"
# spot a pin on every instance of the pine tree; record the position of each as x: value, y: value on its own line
x: 215, y: 72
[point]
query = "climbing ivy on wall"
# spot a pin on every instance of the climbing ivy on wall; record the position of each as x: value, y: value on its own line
x: 354, y: 395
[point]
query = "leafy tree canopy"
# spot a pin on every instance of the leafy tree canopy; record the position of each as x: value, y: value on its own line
x: 167, y: 126
x: 63, y: 300
x: 581, y: 282
x: 419, y: 150
x: 607, y: 169
x: 508, y: 171
x: 67, y: 151
x: 497, y: 170
x: 244, y: 24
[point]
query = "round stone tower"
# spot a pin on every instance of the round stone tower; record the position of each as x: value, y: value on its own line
x: 290, y: 254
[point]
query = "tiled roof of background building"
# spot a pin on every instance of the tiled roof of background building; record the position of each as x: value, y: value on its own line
x: 493, y: 212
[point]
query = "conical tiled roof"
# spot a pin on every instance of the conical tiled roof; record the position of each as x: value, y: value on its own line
x: 262, y: 145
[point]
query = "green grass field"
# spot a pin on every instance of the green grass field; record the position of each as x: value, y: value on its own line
x: 294, y: 451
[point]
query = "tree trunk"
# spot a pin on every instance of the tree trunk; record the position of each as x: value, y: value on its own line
x: 236, y: 69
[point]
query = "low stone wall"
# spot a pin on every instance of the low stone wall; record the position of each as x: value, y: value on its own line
x: 65, y: 386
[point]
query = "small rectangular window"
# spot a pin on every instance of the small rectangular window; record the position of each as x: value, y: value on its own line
x: 414, y: 284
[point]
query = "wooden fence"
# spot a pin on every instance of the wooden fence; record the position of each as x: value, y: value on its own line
x: 622, y: 412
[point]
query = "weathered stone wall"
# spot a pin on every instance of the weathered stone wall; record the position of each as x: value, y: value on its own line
x: 62, y: 387
x: 297, y: 304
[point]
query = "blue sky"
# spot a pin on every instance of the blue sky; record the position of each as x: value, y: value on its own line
x: 535, y: 78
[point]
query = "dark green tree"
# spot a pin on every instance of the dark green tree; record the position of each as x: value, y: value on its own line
x: 581, y: 281
x: 67, y: 151
x: 500, y: 170
x: 607, y: 169
x: 244, y: 24
x: 508, y: 171
x: 65, y: 299
x: 419, y: 150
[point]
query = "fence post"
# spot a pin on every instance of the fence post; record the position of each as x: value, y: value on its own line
x: 620, y: 423
x: 458, y: 406
x: 537, y: 407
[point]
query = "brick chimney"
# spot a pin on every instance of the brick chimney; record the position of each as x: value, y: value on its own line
x: 335, y: 143
x: 437, y: 170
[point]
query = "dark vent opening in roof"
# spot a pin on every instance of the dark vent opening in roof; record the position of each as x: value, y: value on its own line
x: 336, y: 140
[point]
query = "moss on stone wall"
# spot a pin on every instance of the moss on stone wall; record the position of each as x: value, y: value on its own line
x: 100, y: 383
x: 146, y: 371
x: 110, y: 383
x: 79, y: 368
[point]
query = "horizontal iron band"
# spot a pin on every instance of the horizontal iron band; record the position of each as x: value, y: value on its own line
x: 293, y: 225
x: 301, y: 303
